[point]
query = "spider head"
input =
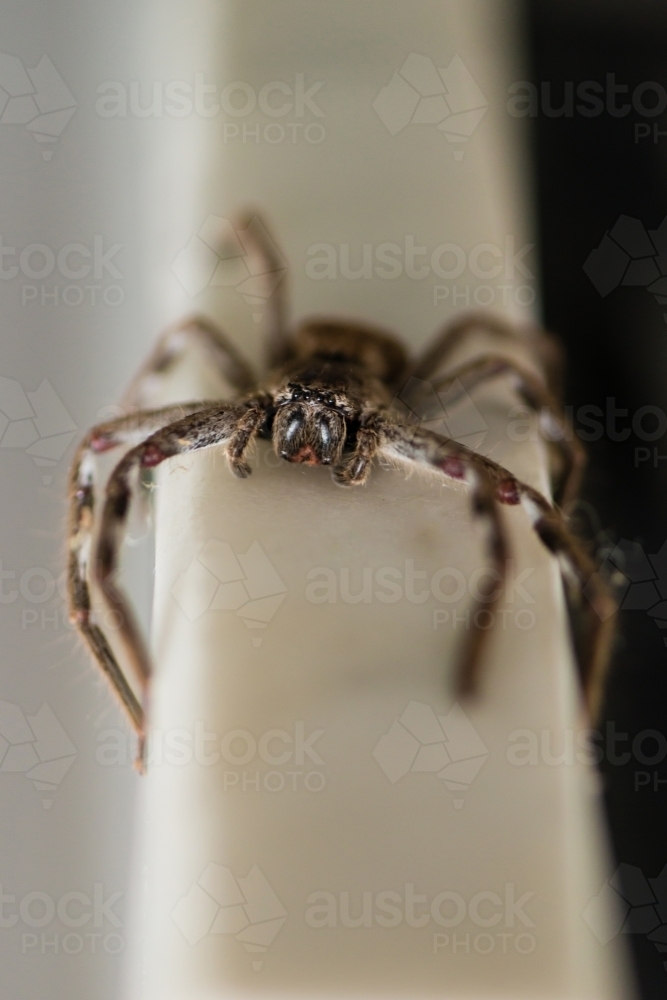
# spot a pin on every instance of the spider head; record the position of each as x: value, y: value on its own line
x: 309, y: 426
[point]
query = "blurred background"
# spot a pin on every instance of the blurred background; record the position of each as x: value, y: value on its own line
x: 602, y: 199
x: 591, y: 101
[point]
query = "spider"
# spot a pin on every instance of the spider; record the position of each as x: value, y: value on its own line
x: 327, y: 400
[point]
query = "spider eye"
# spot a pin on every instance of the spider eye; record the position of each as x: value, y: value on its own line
x: 296, y: 394
x: 330, y: 401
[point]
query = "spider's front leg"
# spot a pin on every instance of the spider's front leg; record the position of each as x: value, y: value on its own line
x: 253, y: 416
x: 205, y: 428
x: 495, y: 485
x: 105, y: 437
x: 377, y: 435
x: 356, y: 470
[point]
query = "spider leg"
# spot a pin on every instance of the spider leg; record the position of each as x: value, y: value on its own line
x: 206, y: 428
x: 406, y: 444
x: 554, y: 424
x: 356, y: 470
x: 545, y: 348
x: 126, y: 430
x: 272, y: 265
x: 171, y: 346
x: 421, y: 447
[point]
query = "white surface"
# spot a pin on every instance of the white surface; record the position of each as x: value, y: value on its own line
x: 351, y: 669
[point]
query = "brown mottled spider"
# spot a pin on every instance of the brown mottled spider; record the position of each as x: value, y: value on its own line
x: 327, y: 400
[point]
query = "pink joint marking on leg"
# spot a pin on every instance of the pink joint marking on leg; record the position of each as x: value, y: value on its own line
x: 152, y: 456
x: 102, y: 442
x: 508, y: 491
x: 453, y: 467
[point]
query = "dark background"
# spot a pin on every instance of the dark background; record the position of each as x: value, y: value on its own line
x: 591, y: 171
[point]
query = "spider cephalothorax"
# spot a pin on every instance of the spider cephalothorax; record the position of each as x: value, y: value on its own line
x: 327, y: 399
x: 334, y: 377
x: 308, y: 430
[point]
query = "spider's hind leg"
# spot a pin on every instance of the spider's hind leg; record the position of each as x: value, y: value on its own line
x: 271, y: 267
x: 233, y: 370
x: 543, y: 347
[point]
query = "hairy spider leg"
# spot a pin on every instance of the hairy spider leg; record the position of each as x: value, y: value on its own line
x: 544, y: 347
x: 543, y: 395
x: 271, y: 263
x: 170, y: 348
x: 105, y: 437
x: 215, y: 425
x: 553, y: 422
x: 424, y: 448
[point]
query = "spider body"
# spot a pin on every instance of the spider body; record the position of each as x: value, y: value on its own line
x: 329, y: 399
x: 335, y: 375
